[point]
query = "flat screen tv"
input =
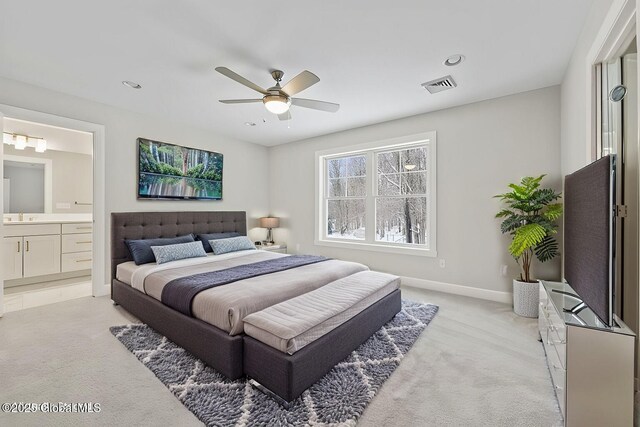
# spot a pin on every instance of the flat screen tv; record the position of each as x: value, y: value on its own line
x: 589, y: 235
x: 168, y: 171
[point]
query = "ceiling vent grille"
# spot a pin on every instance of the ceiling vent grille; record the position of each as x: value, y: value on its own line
x: 439, y: 85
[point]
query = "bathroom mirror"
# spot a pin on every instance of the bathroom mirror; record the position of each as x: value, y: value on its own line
x: 26, y: 185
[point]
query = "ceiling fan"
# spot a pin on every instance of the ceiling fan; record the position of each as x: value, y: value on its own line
x: 277, y: 99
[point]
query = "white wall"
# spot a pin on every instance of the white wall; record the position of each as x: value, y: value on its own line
x: 481, y: 148
x: 575, y: 145
x: 246, y: 185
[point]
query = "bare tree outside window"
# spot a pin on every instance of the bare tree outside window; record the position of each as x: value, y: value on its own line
x: 346, y: 192
x: 401, y: 200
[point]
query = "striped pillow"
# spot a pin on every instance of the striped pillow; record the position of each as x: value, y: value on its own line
x: 169, y: 253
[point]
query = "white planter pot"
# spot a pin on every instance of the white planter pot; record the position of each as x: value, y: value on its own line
x: 526, y: 298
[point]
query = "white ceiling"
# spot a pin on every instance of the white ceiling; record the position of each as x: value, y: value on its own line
x: 371, y: 56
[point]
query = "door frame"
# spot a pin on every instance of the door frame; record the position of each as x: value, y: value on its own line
x: 98, y: 286
x: 619, y: 27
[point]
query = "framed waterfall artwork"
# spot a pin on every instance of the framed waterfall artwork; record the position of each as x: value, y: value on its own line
x: 173, y: 172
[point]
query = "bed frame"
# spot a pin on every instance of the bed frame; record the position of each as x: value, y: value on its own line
x: 284, y: 376
x: 212, y: 345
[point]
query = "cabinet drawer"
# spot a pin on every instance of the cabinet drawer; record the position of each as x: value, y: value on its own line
x: 559, y: 344
x: 79, y: 227
x: 30, y: 230
x: 76, y: 261
x: 558, y: 377
x: 76, y: 243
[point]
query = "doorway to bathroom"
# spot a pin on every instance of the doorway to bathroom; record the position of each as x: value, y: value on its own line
x: 49, y: 229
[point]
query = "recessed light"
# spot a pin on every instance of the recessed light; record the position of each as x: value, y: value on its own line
x: 131, y: 84
x: 453, y: 60
x: 249, y: 124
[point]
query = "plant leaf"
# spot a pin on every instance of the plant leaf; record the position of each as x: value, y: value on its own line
x: 547, y: 249
x: 504, y: 212
x: 511, y: 223
x: 526, y: 237
x: 553, y: 211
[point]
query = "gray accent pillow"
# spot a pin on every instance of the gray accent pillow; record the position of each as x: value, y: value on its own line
x: 214, y: 236
x: 169, y: 253
x: 141, y: 249
x: 233, y: 244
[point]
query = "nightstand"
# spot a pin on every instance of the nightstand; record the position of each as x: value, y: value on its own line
x: 281, y: 249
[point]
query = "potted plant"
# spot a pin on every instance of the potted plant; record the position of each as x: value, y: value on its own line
x: 530, y: 218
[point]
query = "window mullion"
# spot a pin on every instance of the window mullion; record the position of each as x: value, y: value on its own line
x: 370, y: 203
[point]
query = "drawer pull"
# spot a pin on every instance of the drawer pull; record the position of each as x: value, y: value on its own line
x: 84, y: 228
x: 18, y: 246
x: 84, y: 260
x: 83, y: 242
x: 27, y: 246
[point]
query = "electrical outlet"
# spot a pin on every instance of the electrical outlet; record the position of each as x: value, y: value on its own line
x: 442, y: 263
x: 503, y: 270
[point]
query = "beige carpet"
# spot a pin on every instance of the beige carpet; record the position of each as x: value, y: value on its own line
x: 477, y: 364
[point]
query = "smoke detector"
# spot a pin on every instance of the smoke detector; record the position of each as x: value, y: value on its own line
x: 439, y: 85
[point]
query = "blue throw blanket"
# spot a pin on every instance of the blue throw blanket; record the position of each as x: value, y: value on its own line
x: 179, y: 293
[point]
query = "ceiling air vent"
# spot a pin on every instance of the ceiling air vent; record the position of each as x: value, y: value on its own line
x: 438, y: 85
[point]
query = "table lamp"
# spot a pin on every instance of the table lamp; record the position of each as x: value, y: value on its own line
x: 269, y: 223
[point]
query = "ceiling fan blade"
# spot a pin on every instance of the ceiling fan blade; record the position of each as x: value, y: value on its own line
x: 239, y: 101
x: 316, y: 105
x: 237, y: 77
x: 285, y: 116
x: 300, y: 82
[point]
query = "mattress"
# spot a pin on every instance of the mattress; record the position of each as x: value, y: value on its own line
x: 226, y: 306
x: 292, y: 324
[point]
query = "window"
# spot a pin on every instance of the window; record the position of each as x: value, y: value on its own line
x: 379, y: 196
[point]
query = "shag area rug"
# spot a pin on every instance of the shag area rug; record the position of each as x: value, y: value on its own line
x: 339, y: 398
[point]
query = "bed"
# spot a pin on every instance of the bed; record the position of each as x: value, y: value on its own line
x: 210, y: 334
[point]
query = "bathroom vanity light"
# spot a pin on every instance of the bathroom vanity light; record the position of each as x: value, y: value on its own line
x: 20, y: 141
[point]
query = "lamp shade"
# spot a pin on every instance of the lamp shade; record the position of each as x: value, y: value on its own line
x: 269, y: 222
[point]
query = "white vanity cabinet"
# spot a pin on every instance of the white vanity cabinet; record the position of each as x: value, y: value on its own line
x: 12, y: 257
x: 41, y: 255
x: 77, y: 242
x: 31, y: 250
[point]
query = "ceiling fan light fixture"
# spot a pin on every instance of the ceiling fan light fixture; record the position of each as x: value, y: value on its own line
x: 277, y: 104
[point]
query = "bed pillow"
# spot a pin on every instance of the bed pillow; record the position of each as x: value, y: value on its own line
x: 168, y: 253
x: 214, y: 236
x: 233, y: 244
x: 141, y: 249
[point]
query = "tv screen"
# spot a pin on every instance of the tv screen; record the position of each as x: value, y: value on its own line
x: 168, y: 171
x: 589, y: 239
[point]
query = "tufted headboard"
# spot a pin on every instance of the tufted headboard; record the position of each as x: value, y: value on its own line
x: 149, y: 225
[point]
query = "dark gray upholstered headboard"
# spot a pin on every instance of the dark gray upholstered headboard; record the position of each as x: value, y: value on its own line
x: 149, y: 225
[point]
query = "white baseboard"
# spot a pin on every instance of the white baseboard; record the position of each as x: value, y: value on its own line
x: 104, y: 290
x: 450, y: 288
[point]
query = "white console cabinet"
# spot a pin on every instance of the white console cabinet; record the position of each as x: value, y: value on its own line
x: 591, y: 364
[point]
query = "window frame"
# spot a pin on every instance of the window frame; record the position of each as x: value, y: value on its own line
x: 370, y: 150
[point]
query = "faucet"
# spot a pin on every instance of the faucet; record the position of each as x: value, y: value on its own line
x: 20, y: 216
